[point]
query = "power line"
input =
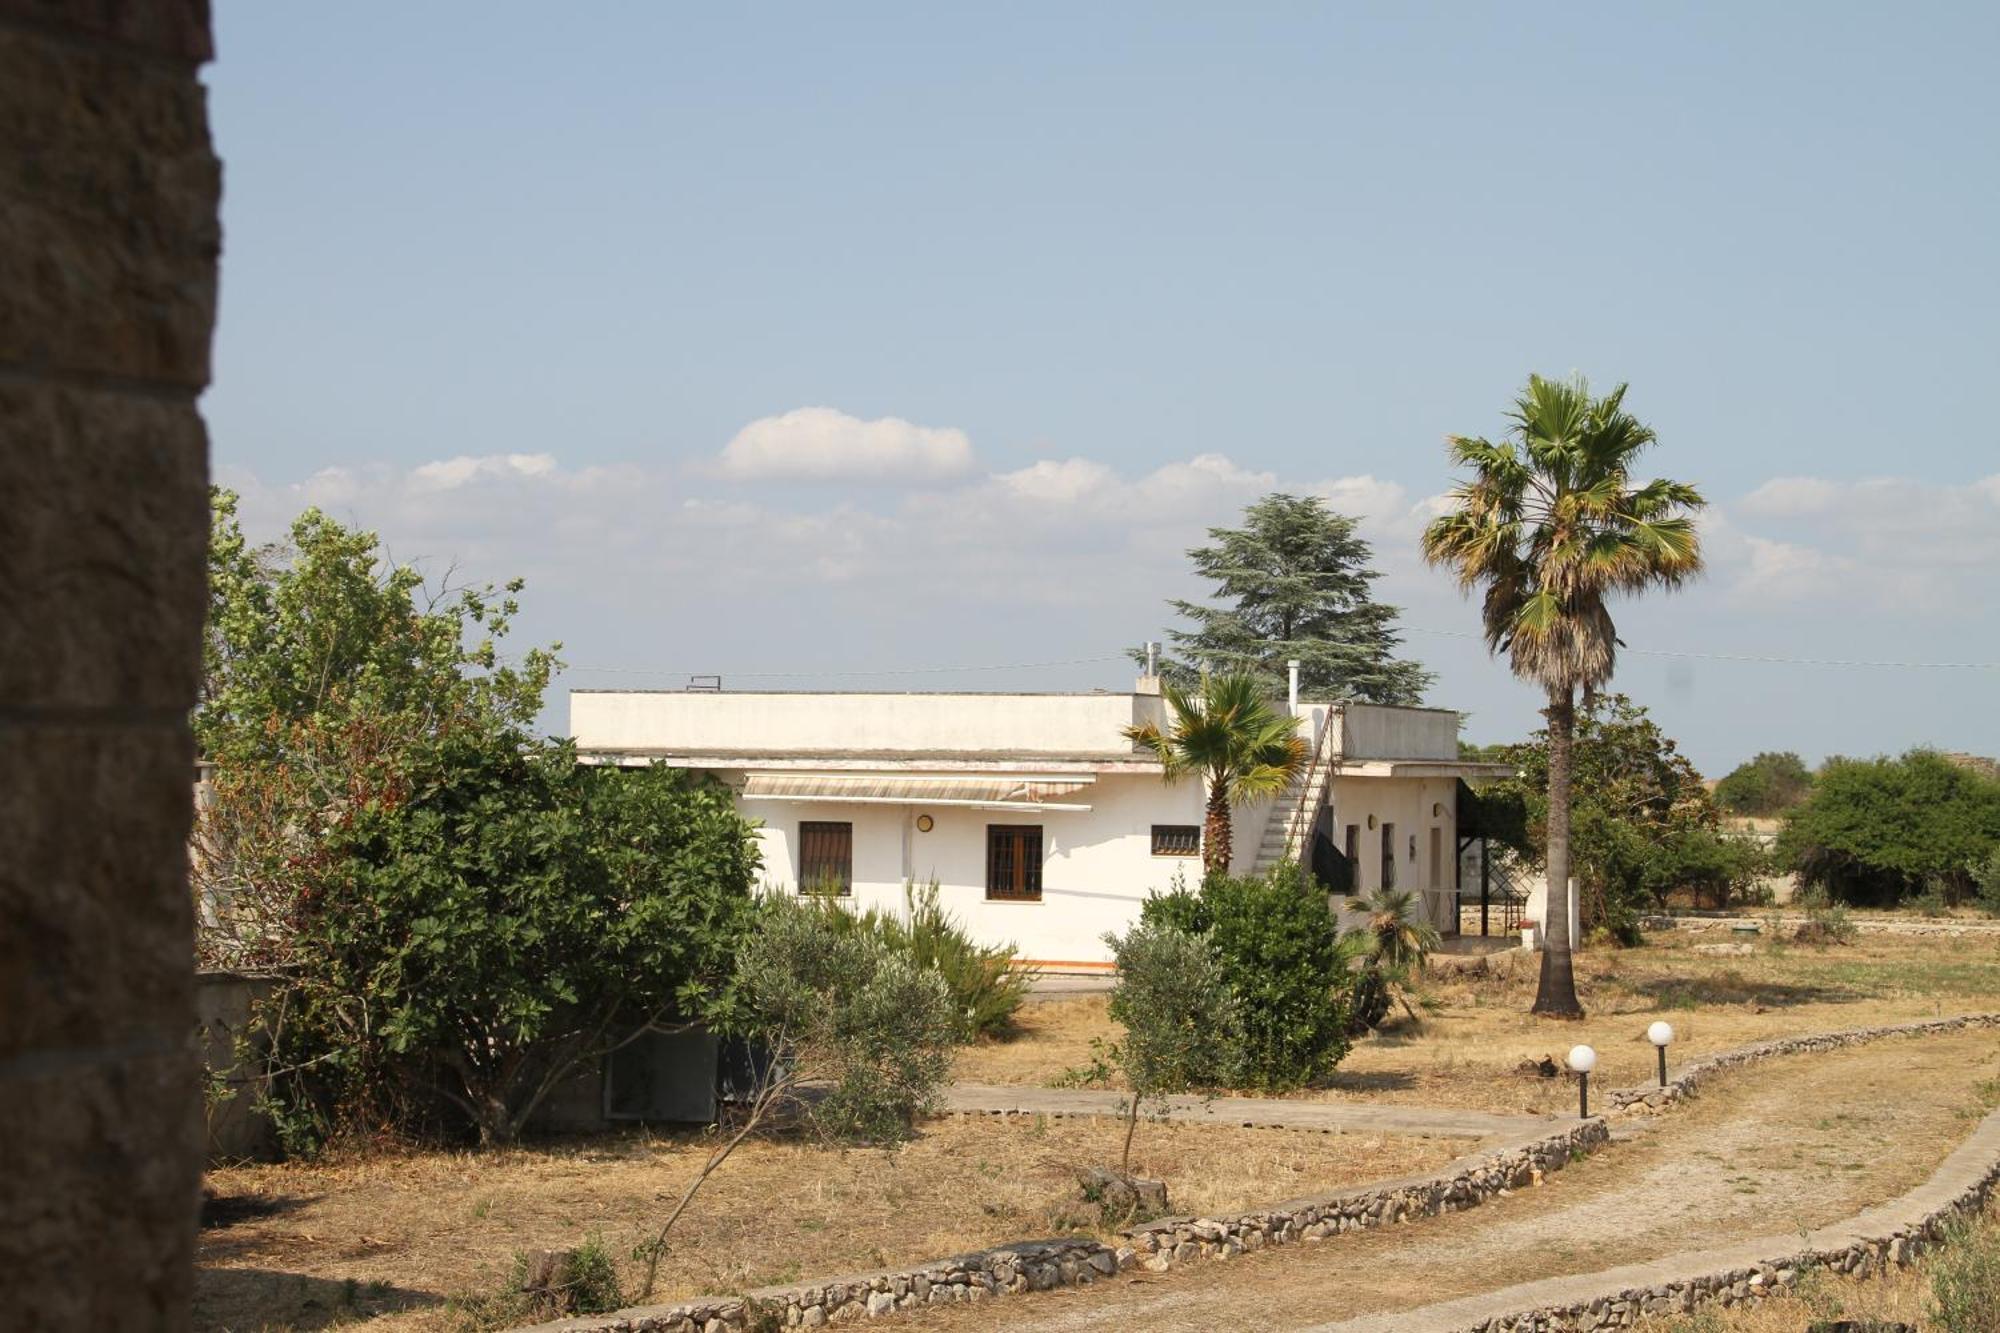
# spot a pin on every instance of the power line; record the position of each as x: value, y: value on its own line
x: 961, y: 668
x: 1750, y: 657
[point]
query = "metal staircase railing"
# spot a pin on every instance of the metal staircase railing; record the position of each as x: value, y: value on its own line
x: 1321, y: 762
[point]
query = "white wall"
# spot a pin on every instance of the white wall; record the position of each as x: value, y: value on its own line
x: 1373, y: 731
x: 757, y: 723
x: 1407, y: 803
x: 1098, y: 864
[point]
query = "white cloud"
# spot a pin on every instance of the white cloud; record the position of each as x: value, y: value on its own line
x: 1790, y: 497
x: 1884, y: 543
x: 1058, y: 481
x: 448, y: 474
x: 823, y: 444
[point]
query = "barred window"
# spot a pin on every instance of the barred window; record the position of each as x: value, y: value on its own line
x: 826, y: 857
x: 1014, y: 862
x: 1177, y: 840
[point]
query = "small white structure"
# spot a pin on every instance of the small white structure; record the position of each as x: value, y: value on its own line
x: 1042, y: 824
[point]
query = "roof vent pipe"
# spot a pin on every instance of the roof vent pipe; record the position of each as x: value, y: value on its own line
x: 1292, y: 685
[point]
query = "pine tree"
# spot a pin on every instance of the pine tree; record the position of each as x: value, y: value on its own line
x: 1294, y: 581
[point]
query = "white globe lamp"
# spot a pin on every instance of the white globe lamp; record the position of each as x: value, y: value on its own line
x: 1582, y: 1059
x: 1661, y: 1034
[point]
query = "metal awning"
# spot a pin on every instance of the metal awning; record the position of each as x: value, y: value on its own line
x: 987, y: 791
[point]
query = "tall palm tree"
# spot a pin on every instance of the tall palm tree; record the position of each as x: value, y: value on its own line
x: 1227, y: 732
x: 1551, y: 524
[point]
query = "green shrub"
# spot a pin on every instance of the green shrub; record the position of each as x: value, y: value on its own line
x: 1965, y: 1280
x: 1986, y: 881
x: 1279, y: 949
x: 1183, y: 1025
x: 1878, y: 831
x: 986, y: 987
x: 1827, y: 921
x: 838, y: 1007
x: 554, y: 1284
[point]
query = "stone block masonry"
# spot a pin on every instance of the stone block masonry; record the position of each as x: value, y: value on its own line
x: 108, y: 247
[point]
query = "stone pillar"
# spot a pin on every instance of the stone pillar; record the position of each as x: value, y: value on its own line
x: 108, y: 244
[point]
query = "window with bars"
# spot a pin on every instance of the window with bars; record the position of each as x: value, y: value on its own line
x: 1388, y: 856
x: 826, y: 857
x: 1177, y: 840
x: 1014, y: 862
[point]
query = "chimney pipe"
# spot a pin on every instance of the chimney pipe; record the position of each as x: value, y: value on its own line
x: 1292, y: 688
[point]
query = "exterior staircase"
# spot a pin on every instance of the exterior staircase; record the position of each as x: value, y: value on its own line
x: 1286, y: 835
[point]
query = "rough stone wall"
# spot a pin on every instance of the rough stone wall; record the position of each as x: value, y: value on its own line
x: 1157, y: 1246
x: 1649, y: 1099
x: 1884, y: 1237
x: 108, y: 244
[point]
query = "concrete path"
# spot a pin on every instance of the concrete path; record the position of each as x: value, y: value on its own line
x: 1253, y: 1112
x: 1783, y: 1148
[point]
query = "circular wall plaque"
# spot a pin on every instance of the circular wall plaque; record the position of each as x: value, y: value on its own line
x: 924, y: 824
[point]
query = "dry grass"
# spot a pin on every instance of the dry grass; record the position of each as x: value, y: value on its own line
x: 1901, y: 1296
x: 393, y: 1241
x: 1469, y: 1050
x: 1771, y: 1150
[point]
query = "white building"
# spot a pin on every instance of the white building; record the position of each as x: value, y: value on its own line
x: 1042, y: 824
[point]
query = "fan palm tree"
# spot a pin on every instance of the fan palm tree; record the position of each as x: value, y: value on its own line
x: 1398, y: 938
x: 1227, y: 732
x: 1394, y: 943
x: 1551, y: 524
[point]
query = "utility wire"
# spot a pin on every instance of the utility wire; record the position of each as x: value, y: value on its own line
x: 1749, y: 657
x: 1757, y: 658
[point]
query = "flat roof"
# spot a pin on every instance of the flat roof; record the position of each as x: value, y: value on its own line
x: 995, y: 694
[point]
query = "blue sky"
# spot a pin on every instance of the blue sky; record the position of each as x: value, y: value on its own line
x: 846, y: 339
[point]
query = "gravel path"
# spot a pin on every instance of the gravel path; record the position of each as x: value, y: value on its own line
x: 1784, y: 1145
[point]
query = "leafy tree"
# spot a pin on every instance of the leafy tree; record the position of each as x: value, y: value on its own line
x: 1279, y: 950
x: 1182, y: 1021
x: 1226, y: 733
x: 463, y: 913
x: 1643, y: 825
x: 1771, y: 782
x: 1295, y: 583
x: 325, y: 628
x: 492, y: 915
x: 323, y: 663
x: 1551, y: 524
x: 853, y: 1038
x: 1876, y: 831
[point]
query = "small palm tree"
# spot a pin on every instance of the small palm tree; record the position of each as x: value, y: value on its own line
x: 1227, y: 732
x: 1551, y: 524
x: 1394, y: 942
x: 1400, y: 938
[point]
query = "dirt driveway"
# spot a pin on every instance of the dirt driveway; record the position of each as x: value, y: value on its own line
x: 1791, y: 1143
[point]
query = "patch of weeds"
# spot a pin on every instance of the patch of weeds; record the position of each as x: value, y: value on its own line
x: 552, y: 1284
x: 1965, y: 1280
x: 481, y: 1209
x: 1702, y: 1321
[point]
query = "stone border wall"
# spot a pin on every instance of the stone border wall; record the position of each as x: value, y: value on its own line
x: 1466, y: 1183
x: 1043, y: 1265
x: 1893, y: 1234
x: 1646, y: 1100
x: 1867, y: 925
x: 1169, y: 1242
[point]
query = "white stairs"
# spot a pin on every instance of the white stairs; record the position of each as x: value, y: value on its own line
x: 1279, y: 844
